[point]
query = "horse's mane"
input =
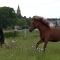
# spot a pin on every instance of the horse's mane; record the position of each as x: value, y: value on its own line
x: 42, y: 20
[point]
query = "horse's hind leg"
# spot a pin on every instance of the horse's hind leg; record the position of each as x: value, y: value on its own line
x: 39, y: 42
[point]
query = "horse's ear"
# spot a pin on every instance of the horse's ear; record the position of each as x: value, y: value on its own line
x: 36, y: 17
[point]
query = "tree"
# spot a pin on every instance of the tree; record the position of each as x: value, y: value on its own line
x: 7, y: 17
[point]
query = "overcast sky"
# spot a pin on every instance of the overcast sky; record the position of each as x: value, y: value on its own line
x: 45, y: 8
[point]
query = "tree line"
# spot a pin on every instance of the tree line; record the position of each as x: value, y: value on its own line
x: 9, y: 19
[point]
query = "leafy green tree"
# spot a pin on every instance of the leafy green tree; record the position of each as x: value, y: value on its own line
x: 7, y: 17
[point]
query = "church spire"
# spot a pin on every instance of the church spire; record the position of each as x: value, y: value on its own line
x: 18, y: 11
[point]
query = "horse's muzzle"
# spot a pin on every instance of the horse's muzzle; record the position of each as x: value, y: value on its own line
x: 30, y: 30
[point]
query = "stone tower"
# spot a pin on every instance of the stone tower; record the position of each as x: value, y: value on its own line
x: 18, y: 12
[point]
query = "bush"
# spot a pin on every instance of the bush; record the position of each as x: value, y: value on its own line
x: 11, y: 34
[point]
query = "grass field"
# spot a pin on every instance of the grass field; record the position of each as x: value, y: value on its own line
x: 22, y: 47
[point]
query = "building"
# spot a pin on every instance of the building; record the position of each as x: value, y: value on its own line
x: 55, y: 21
x: 18, y: 12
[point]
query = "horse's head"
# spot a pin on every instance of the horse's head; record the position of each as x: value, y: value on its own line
x: 34, y: 23
x: 32, y: 27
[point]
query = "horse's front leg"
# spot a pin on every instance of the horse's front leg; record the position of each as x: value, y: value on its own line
x: 47, y: 36
x: 45, y: 45
x: 39, y: 42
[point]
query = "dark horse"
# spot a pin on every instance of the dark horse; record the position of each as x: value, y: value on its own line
x: 47, y: 33
x: 1, y: 37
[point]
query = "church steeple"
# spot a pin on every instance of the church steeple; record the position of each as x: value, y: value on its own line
x: 18, y: 11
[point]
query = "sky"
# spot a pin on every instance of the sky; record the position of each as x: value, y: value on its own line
x: 29, y: 8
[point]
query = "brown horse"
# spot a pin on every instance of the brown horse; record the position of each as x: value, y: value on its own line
x: 46, y: 32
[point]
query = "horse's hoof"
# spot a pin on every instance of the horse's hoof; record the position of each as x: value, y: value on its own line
x: 32, y: 46
x: 41, y: 49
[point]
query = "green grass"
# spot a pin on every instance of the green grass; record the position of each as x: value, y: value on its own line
x: 22, y: 49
